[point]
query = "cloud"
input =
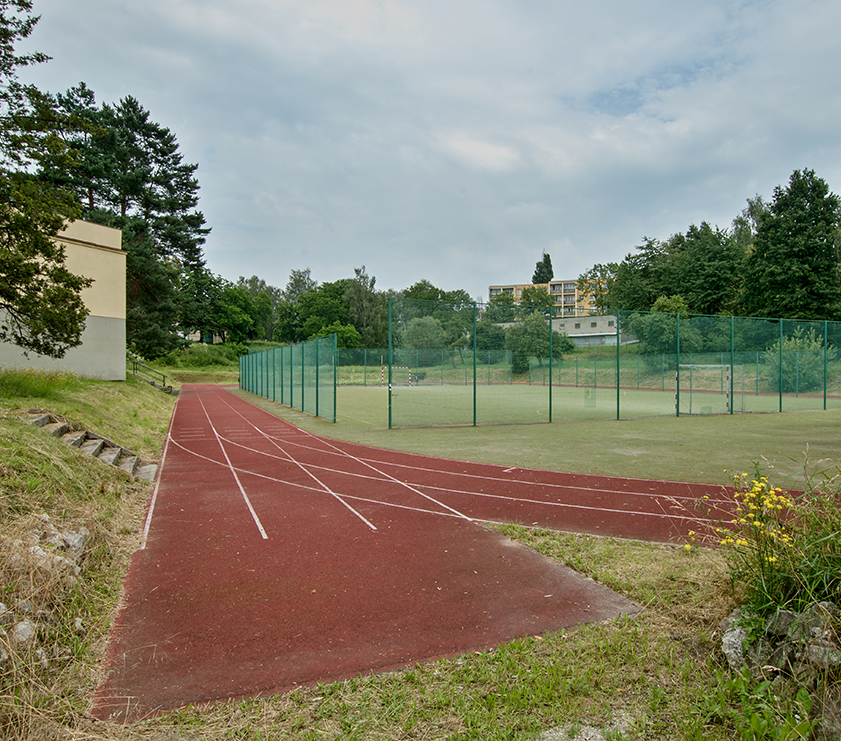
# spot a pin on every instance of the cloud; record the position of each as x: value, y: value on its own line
x: 458, y: 141
x: 483, y: 155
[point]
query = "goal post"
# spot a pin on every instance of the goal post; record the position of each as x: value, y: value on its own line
x: 709, y: 388
x: 401, y: 375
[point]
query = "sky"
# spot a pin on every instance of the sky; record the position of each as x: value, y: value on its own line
x: 456, y: 141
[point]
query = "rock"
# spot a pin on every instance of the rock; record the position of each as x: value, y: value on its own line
x: 42, y: 658
x: 803, y: 648
x: 814, y: 622
x: 828, y: 712
x: 779, y: 624
x: 52, y: 561
x: 823, y: 654
x: 733, y: 640
x: 23, y: 632
x: 74, y: 542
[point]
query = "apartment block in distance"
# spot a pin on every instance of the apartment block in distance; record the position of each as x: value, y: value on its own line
x: 569, y: 301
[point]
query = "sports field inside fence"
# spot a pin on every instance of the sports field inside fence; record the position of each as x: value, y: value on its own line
x: 440, y: 369
x: 697, y: 448
x: 429, y: 405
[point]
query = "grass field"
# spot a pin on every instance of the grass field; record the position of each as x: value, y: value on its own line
x: 696, y: 448
x: 659, y: 676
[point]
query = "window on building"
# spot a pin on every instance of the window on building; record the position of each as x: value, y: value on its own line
x: 578, y: 325
x: 594, y: 324
x: 610, y: 324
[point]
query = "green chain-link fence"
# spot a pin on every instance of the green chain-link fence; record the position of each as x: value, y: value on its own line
x: 302, y: 376
x: 474, y: 364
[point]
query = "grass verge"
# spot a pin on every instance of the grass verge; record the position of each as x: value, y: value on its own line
x: 640, y: 678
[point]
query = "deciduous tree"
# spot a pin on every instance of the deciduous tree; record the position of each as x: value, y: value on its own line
x: 793, y: 269
x: 367, y: 309
x: 598, y: 283
x: 530, y: 338
x: 41, y: 309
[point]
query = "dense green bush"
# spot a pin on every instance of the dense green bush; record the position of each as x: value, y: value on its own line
x: 201, y: 356
x: 801, y: 365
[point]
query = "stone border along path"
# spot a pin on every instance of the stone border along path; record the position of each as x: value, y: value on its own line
x: 95, y: 445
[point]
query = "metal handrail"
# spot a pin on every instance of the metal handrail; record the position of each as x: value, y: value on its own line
x: 149, y: 374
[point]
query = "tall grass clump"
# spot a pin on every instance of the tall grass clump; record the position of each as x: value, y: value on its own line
x: 784, y: 549
x: 33, y: 383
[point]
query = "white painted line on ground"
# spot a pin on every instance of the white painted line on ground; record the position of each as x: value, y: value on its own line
x: 236, y: 477
x: 303, y: 467
x: 148, y: 523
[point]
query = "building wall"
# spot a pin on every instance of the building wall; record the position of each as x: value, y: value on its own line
x: 588, y: 331
x: 96, y: 252
x: 568, y: 299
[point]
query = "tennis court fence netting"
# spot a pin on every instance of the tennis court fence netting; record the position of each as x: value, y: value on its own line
x: 301, y: 376
x: 477, y: 364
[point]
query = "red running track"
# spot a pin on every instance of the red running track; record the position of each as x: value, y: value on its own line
x: 273, y: 558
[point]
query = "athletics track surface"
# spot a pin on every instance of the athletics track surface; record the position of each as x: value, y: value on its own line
x: 273, y: 558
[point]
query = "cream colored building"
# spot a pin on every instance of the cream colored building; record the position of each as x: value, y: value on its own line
x: 569, y: 301
x: 96, y: 252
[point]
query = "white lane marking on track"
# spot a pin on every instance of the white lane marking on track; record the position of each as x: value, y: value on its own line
x: 655, y: 498
x: 536, y: 484
x: 236, y: 478
x: 493, y: 479
x: 324, y: 486
x: 562, y: 505
x: 345, y: 454
x: 341, y: 453
x: 154, y: 500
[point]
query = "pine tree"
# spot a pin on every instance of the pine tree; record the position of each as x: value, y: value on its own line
x: 130, y: 170
x: 543, y: 272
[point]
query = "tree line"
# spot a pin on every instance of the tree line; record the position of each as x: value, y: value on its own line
x: 778, y: 259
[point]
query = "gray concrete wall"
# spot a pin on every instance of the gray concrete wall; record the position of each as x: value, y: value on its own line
x: 95, y: 252
x: 102, y: 353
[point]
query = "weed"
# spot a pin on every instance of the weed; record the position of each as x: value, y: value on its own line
x: 755, y: 710
x: 784, y: 549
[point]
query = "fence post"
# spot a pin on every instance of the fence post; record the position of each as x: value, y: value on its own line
x: 733, y: 364
x: 550, y: 365
x: 677, y: 368
x: 618, y: 367
x: 474, y: 365
x: 390, y: 360
x: 825, y: 360
x: 781, y: 365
